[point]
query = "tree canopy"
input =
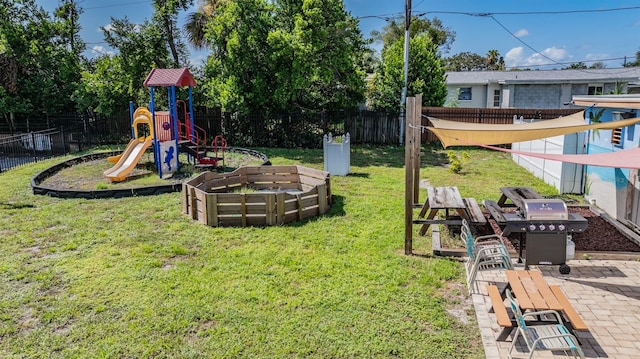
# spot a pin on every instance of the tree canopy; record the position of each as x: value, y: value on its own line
x: 469, y: 61
x: 440, y: 35
x: 114, y: 80
x: 40, y: 58
x: 284, y: 55
x: 426, y: 75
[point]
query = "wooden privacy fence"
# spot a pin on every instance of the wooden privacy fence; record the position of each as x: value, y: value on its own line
x: 487, y: 116
x: 372, y: 127
x: 288, y: 130
x: 257, y: 196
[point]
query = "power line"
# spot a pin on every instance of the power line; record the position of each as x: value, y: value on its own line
x: 385, y: 17
x: 572, y: 62
x: 117, y: 5
x: 491, y: 15
x: 560, y: 12
x: 534, y: 50
x: 522, y: 42
x: 394, y: 15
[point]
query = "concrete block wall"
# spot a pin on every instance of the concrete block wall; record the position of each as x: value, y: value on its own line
x: 537, y: 96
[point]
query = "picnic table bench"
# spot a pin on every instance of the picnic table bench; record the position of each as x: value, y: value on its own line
x: 505, y: 320
x: 445, y: 199
x: 474, y: 211
x: 495, y: 211
x: 515, y: 195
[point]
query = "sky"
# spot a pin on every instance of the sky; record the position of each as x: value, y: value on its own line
x: 538, y: 34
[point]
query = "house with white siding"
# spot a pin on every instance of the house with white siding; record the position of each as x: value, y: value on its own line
x: 538, y: 89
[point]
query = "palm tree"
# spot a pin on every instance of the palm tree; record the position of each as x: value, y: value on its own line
x: 619, y: 88
x: 595, y: 118
x: 195, y: 27
x: 494, y: 61
x: 9, y: 75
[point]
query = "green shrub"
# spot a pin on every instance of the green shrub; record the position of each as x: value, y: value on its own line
x: 456, y: 161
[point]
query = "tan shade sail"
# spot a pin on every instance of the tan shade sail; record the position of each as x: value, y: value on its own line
x: 612, y: 101
x: 609, y: 104
x: 453, y: 133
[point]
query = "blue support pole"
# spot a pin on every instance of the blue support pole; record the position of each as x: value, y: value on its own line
x: 174, y: 103
x: 156, y: 146
x: 192, y: 119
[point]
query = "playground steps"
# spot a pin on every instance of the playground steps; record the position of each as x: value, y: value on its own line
x: 200, y: 155
x: 192, y: 150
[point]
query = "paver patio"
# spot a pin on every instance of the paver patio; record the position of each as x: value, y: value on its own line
x: 606, y: 293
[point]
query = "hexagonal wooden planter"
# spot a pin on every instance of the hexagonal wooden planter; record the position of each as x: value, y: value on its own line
x: 257, y: 196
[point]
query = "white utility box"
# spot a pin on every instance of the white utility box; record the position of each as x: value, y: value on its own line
x: 337, y: 154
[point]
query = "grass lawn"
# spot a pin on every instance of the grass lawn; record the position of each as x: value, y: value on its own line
x: 134, y: 277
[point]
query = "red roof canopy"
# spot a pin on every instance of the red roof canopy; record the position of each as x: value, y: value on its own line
x: 170, y: 77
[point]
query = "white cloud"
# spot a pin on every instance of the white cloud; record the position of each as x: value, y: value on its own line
x: 551, y: 55
x: 100, y: 50
x: 556, y: 53
x: 521, y: 33
x: 513, y: 56
x: 97, y: 49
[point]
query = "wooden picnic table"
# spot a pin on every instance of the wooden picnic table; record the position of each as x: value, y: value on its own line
x: 534, y: 293
x: 516, y: 195
x: 441, y: 199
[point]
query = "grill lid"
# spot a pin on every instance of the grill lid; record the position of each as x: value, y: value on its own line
x: 548, y: 209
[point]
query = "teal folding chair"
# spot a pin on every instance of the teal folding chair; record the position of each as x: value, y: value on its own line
x: 551, y: 337
x: 484, y: 253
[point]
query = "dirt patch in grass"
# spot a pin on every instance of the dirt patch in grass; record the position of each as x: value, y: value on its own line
x: 459, y: 304
x: 88, y: 175
x: 600, y: 236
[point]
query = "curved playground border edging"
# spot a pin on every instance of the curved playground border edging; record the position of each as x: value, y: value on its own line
x: 110, y: 193
x: 277, y: 195
x: 93, y: 194
x: 250, y: 152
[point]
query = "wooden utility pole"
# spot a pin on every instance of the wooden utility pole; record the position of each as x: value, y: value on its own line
x: 417, y: 146
x: 403, y: 95
x: 411, y: 167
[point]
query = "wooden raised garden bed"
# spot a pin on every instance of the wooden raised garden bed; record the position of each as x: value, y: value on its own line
x: 257, y: 196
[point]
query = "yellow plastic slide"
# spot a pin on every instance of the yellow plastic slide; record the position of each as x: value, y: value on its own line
x: 128, y: 160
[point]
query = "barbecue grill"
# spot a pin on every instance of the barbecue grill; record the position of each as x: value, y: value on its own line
x: 546, y: 223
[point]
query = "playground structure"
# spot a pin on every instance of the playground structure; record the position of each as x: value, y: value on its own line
x: 166, y: 132
x: 257, y: 196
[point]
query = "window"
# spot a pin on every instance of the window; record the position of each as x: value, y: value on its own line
x: 595, y: 89
x: 616, y: 136
x: 496, y: 98
x: 464, y: 94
